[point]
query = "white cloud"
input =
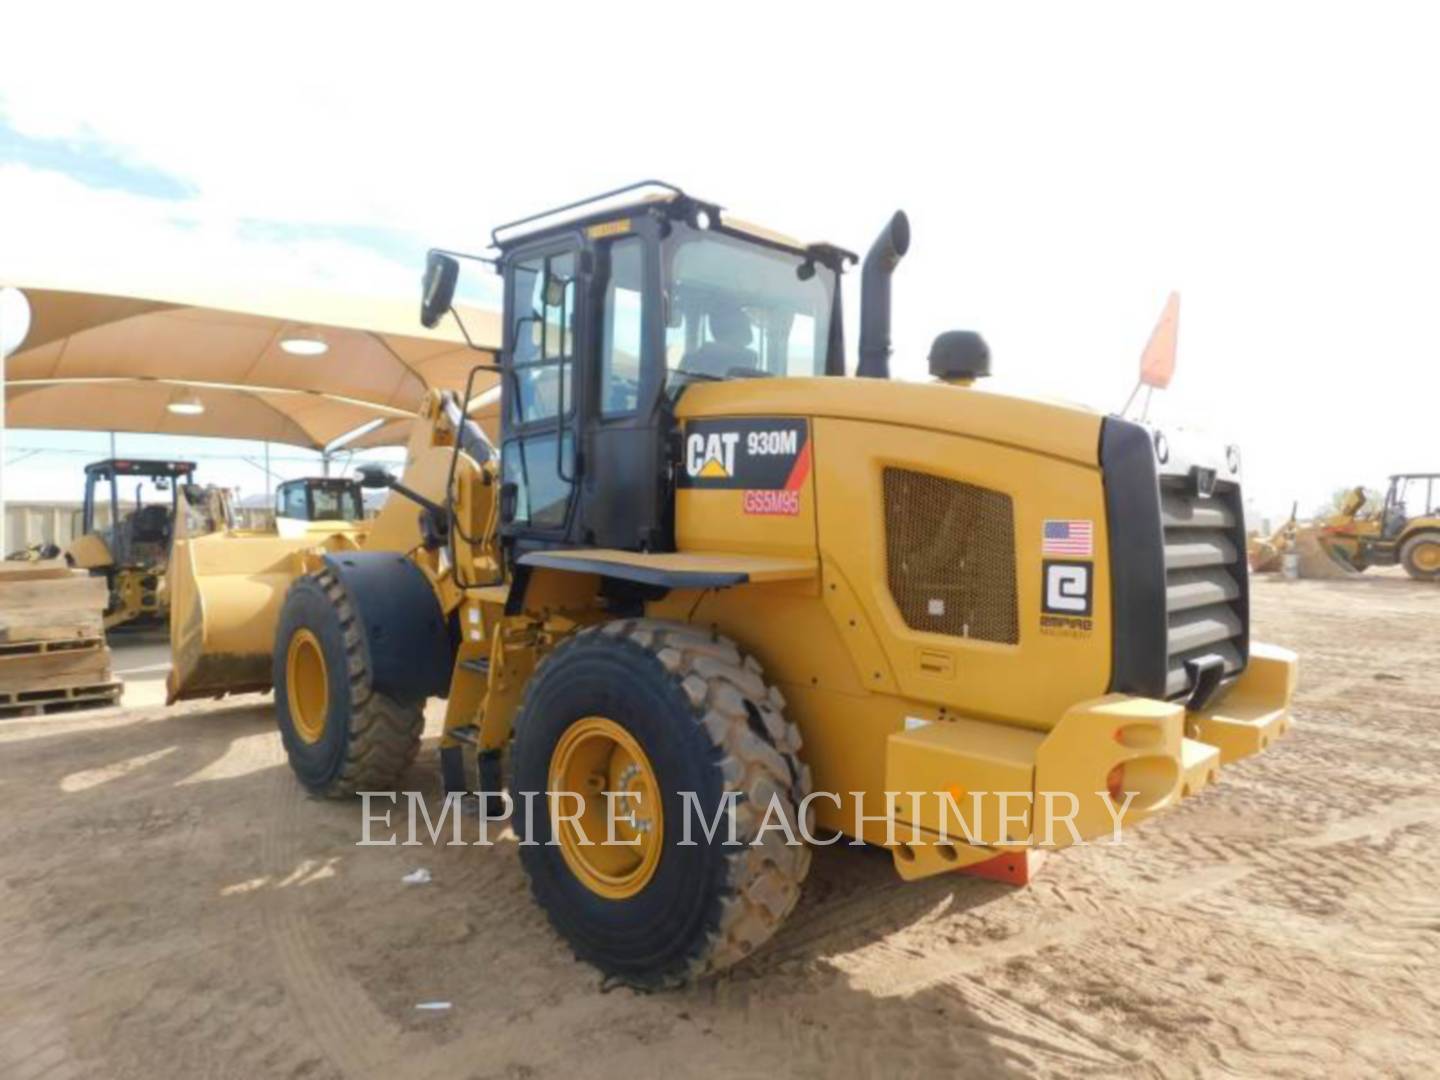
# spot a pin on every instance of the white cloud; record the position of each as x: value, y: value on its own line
x: 1064, y: 168
x: 58, y: 230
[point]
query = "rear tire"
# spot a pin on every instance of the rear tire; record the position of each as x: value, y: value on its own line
x: 340, y: 735
x: 1421, y: 556
x: 697, y: 716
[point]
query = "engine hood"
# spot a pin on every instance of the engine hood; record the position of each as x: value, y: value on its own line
x: 1057, y: 430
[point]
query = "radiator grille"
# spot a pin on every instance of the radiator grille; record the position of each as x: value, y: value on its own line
x: 950, y: 556
x: 1206, y: 585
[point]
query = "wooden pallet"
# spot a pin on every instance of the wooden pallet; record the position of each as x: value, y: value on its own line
x: 25, y: 648
x: 40, y: 570
x: 53, y: 655
x: 55, y: 666
x: 59, y: 699
x: 48, y: 601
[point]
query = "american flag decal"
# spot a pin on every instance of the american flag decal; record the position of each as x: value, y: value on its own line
x: 1068, y: 538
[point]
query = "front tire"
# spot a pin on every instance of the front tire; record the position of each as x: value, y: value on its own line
x: 340, y: 734
x: 644, y: 706
x: 1421, y: 556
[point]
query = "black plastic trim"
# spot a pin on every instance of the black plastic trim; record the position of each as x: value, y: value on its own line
x: 1139, y: 658
x: 644, y: 575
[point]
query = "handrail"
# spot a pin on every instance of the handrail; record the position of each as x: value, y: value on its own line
x: 637, y: 186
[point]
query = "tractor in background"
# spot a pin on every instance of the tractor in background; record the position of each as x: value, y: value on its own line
x: 1405, y: 530
x: 126, y: 537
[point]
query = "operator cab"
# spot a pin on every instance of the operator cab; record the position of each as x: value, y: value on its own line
x: 1411, y: 495
x: 140, y: 526
x: 613, y: 306
x: 320, y: 498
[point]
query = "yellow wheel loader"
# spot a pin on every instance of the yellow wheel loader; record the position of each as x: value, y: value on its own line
x: 319, y: 498
x: 132, y: 549
x: 1405, y: 531
x: 716, y: 599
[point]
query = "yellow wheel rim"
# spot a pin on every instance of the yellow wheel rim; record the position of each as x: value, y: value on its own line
x: 307, y: 685
x: 1427, y: 557
x: 593, y: 756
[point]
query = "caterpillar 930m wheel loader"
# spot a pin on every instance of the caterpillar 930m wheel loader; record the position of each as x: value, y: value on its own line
x: 708, y: 580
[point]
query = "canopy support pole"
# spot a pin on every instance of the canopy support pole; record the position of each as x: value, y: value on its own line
x: 3, y: 353
x: 14, y: 326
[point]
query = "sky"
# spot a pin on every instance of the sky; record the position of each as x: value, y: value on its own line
x: 1064, y: 168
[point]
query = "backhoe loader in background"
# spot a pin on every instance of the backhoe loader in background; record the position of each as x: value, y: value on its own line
x: 1405, y: 529
x: 706, y: 573
x: 131, y: 550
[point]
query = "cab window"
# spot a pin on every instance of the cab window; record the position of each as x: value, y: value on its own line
x: 292, y: 502
x: 542, y: 496
x: 333, y: 504
x: 543, y: 336
x: 622, y: 331
x: 738, y: 309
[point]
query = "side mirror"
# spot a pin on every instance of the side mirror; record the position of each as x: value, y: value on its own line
x: 437, y: 292
x: 373, y: 477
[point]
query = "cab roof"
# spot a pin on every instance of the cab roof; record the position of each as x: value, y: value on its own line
x: 140, y: 467
x: 597, y: 210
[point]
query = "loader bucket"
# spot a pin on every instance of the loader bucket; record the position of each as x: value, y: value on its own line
x: 225, y: 595
x: 1321, y: 560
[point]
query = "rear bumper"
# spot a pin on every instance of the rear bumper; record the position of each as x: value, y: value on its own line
x: 990, y: 788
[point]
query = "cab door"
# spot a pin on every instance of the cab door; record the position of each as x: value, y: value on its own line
x: 540, y: 394
x: 623, y: 496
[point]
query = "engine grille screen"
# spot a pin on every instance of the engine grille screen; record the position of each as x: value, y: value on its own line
x: 950, y: 556
x: 1206, y: 590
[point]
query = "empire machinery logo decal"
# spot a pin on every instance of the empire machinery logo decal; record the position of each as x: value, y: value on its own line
x: 768, y: 458
x: 1067, y: 592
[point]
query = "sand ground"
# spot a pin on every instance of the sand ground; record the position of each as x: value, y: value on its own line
x: 171, y: 904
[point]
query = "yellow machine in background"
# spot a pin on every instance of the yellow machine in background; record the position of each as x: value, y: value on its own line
x: 300, y: 504
x: 708, y: 572
x: 1266, y: 552
x: 227, y: 583
x: 132, y: 550
x: 1404, y: 530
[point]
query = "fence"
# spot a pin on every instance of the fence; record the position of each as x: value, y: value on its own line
x: 29, y: 523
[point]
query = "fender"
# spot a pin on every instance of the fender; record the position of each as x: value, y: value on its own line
x: 408, y: 642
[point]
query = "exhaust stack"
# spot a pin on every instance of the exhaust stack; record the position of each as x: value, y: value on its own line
x: 880, y: 262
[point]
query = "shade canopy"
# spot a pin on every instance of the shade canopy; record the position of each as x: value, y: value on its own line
x: 285, y: 366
